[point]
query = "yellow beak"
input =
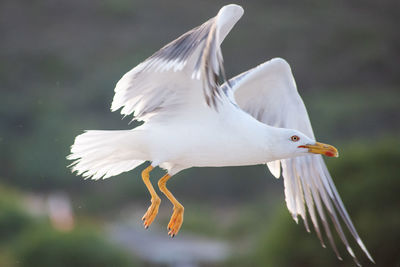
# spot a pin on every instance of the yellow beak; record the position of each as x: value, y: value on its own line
x: 324, y: 149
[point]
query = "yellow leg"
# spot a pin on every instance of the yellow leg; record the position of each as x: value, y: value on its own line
x: 152, y: 211
x: 177, y: 216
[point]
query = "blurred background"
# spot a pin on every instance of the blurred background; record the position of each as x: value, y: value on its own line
x: 59, y: 62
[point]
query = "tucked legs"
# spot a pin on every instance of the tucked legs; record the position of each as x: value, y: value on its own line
x: 152, y: 211
x: 177, y: 216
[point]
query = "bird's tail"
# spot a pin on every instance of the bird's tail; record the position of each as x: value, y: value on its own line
x: 102, y: 154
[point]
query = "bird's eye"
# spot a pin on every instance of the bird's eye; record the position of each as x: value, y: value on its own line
x: 295, y: 138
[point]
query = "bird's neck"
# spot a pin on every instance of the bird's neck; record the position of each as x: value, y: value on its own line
x: 273, y: 143
x: 263, y: 140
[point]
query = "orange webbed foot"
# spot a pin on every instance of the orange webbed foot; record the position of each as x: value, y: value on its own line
x: 151, y: 212
x: 176, y: 221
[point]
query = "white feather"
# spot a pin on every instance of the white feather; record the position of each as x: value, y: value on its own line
x: 102, y: 154
x: 268, y: 92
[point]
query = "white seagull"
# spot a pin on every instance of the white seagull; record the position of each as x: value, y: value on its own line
x: 190, y: 120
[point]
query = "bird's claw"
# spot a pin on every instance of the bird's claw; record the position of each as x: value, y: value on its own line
x: 151, y: 213
x: 176, y: 222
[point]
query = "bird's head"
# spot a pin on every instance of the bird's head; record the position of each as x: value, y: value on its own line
x: 294, y: 143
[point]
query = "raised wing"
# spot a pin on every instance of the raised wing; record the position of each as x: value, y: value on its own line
x: 268, y: 92
x: 178, y: 71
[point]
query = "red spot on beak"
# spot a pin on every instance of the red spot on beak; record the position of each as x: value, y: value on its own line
x: 329, y: 154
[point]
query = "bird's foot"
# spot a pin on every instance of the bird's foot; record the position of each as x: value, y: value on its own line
x: 151, y: 212
x: 176, y: 221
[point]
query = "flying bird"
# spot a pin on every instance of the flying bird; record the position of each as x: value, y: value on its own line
x: 191, y: 120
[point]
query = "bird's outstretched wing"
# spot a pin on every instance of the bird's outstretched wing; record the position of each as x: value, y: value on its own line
x: 268, y: 92
x: 179, y: 70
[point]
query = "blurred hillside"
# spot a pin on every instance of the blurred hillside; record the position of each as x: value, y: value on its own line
x: 60, y: 60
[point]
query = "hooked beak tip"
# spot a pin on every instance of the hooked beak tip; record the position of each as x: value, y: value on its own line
x: 323, y: 149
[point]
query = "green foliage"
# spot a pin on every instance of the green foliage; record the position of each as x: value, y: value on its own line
x: 32, y: 242
x: 13, y: 219
x: 368, y: 181
x: 80, y: 248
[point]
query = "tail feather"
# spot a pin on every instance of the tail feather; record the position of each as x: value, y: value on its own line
x: 103, y: 154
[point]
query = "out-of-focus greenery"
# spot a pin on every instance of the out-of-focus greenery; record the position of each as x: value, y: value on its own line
x: 366, y: 176
x: 81, y: 248
x: 13, y: 219
x: 27, y: 241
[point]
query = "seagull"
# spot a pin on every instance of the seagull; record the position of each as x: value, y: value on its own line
x: 192, y: 120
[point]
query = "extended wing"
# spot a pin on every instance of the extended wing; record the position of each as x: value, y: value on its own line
x: 268, y: 92
x: 179, y: 70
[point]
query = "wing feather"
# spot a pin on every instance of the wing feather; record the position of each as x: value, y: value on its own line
x: 268, y: 92
x: 275, y: 168
x: 180, y: 69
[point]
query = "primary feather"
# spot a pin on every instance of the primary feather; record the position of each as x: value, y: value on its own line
x: 268, y: 92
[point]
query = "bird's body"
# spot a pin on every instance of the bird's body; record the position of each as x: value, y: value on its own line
x: 231, y: 138
x: 190, y: 120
